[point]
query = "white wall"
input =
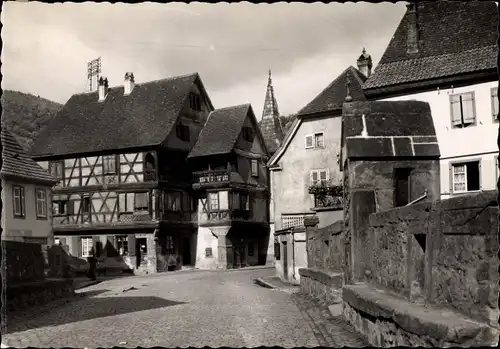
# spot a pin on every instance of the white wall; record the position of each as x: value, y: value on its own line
x: 461, y: 144
x: 16, y: 229
x: 290, y: 185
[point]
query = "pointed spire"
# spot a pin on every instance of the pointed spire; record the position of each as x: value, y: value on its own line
x: 271, y: 124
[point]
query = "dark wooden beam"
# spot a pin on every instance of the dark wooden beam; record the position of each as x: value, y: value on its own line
x: 121, y: 187
x: 102, y: 227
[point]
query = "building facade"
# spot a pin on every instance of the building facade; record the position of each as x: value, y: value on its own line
x: 305, y: 171
x: 125, y: 188
x: 453, y: 67
x: 231, y: 190
x: 26, y: 199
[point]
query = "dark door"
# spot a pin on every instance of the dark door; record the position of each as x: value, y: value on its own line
x: 186, y: 251
x: 141, y: 250
x: 402, y: 187
x: 285, y: 261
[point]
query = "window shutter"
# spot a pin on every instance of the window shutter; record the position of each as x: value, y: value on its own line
x: 323, y: 175
x: 309, y: 141
x: 456, y: 113
x: 468, y: 107
x: 494, y: 102
x: 314, y: 177
x: 223, y: 200
x: 23, y: 202
x: 255, y: 168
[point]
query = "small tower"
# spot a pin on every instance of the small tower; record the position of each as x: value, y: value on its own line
x: 365, y: 63
x: 271, y: 124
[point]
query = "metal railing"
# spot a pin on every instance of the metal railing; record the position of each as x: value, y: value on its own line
x: 294, y: 219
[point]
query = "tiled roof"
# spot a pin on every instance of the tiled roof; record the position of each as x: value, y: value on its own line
x: 18, y: 164
x: 221, y: 131
x: 333, y: 96
x: 389, y: 129
x: 455, y: 37
x: 270, y: 125
x: 145, y: 117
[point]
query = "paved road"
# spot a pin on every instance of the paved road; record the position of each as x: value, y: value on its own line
x: 196, y: 308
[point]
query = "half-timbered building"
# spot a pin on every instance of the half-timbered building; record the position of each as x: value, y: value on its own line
x: 232, y: 190
x: 124, y: 185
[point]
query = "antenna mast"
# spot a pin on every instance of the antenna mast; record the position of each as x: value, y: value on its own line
x: 93, y: 70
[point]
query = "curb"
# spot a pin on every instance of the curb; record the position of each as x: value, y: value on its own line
x: 261, y: 282
x: 87, y: 284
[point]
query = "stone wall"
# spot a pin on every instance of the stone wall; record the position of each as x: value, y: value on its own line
x: 22, y: 261
x: 442, y: 253
x: 325, y: 246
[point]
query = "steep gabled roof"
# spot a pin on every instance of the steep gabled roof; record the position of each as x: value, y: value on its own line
x: 333, y: 96
x: 143, y: 118
x: 221, y: 131
x: 455, y: 37
x: 288, y: 138
x: 16, y: 162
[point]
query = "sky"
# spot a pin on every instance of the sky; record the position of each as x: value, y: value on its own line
x: 46, y: 47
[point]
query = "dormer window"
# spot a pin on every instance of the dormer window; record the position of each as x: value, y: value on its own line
x: 182, y: 132
x: 247, y: 134
x: 194, y: 101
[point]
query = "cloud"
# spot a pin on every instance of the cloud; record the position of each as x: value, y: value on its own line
x: 46, y: 47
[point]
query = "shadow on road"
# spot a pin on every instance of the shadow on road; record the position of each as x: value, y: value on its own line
x: 88, y: 306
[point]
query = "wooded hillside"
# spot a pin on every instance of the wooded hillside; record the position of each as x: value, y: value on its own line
x: 25, y: 115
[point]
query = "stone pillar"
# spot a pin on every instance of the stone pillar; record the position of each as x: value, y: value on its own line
x: 224, y: 248
x: 311, y: 224
x: 151, y: 252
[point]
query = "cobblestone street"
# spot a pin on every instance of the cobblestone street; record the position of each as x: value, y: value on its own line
x: 195, y: 308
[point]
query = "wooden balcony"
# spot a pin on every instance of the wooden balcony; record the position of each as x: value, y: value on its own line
x: 226, y: 215
x: 292, y: 220
x: 213, y: 176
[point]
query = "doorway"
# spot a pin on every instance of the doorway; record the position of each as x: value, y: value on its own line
x: 285, y: 261
x: 186, y: 251
x: 141, y: 251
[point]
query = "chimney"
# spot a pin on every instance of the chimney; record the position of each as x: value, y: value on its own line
x: 103, y: 89
x: 412, y: 20
x: 129, y: 83
x: 365, y: 63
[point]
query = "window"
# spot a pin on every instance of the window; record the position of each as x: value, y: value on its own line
x: 122, y: 245
x: 86, y: 244
x: 402, y: 186
x: 170, y: 244
x: 319, y: 176
x: 19, y: 201
x: 255, y: 168
x: 465, y: 177
x: 56, y: 168
x: 141, y: 201
x: 494, y: 103
x: 277, y: 251
x: 463, y: 110
x: 245, y: 202
x: 247, y: 134
x: 86, y: 204
x: 214, y: 201
x: 315, y: 141
x: 57, y: 241
x: 109, y: 164
x: 319, y: 141
x: 173, y: 201
x: 41, y: 203
x: 251, y: 249
x: 194, y: 101
x: 208, y: 252
x: 182, y: 132
x: 236, y: 201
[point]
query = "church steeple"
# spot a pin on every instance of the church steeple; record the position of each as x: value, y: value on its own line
x: 270, y: 124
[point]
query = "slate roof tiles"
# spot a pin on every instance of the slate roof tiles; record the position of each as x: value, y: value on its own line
x: 455, y: 37
x: 143, y: 118
x: 16, y: 162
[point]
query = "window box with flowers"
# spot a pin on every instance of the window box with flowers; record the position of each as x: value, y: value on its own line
x: 327, y: 194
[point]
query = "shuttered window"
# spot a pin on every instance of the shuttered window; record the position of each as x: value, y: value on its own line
x: 86, y: 244
x: 19, y: 201
x: 463, y: 110
x: 465, y: 177
x: 255, y: 168
x: 318, y: 176
x: 41, y: 203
